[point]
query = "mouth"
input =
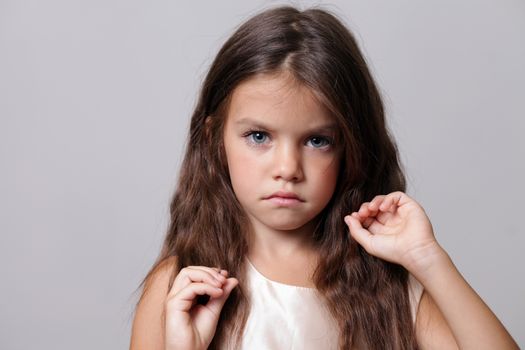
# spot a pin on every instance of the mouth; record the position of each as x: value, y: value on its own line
x: 284, y: 198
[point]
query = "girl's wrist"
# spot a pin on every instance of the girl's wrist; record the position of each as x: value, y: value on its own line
x: 427, y: 261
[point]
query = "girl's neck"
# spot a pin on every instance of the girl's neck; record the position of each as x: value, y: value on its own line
x: 286, y: 257
x: 267, y: 244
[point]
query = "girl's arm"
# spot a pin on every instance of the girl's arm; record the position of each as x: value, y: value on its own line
x: 172, y: 319
x: 148, y: 331
x: 451, y: 315
x: 450, y: 298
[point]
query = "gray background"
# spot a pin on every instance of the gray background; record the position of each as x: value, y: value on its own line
x: 95, y: 99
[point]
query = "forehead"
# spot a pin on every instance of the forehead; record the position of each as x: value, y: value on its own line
x: 277, y: 98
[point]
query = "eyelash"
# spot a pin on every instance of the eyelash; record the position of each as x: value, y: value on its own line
x: 328, y: 141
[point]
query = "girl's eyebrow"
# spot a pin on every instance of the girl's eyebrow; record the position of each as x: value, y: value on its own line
x: 258, y: 125
x: 250, y: 122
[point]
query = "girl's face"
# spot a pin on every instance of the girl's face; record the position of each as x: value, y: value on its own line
x: 278, y: 137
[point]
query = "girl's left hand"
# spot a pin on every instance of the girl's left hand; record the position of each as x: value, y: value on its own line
x: 395, y: 228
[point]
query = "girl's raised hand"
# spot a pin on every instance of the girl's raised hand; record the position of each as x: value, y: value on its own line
x: 395, y: 228
x: 190, y: 325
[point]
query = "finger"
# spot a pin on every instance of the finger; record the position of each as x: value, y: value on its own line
x: 219, y: 274
x: 363, y: 210
x: 206, y: 268
x: 360, y: 234
x: 375, y: 224
x: 377, y: 245
x: 388, y: 204
x: 394, y: 200
x: 203, y: 270
x: 223, y: 280
x: 216, y: 304
x: 190, y: 275
x: 376, y: 228
x: 363, y: 218
x: 384, y: 216
x: 368, y: 221
x: 373, y: 207
x: 183, y: 300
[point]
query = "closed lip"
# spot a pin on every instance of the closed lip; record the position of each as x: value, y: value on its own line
x: 284, y: 194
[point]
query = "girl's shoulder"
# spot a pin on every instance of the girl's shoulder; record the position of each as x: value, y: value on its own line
x: 147, y: 328
x: 161, y: 273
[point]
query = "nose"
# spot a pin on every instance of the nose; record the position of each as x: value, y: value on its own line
x: 287, y: 164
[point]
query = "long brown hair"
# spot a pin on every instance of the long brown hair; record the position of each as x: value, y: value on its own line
x: 367, y: 296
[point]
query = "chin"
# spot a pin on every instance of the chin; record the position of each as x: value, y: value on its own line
x: 286, y: 225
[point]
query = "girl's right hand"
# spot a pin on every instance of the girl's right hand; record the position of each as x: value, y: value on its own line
x: 190, y: 325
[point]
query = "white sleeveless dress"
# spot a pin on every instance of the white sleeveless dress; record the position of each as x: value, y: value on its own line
x: 292, y: 318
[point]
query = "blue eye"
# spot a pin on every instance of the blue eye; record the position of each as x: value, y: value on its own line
x: 320, y: 141
x: 257, y: 137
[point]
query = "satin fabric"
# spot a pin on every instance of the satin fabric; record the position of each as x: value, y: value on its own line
x: 292, y: 318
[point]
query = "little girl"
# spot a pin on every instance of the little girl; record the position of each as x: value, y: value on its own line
x: 290, y: 228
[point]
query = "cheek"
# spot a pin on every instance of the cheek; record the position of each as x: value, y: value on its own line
x: 325, y: 172
x: 244, y: 168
